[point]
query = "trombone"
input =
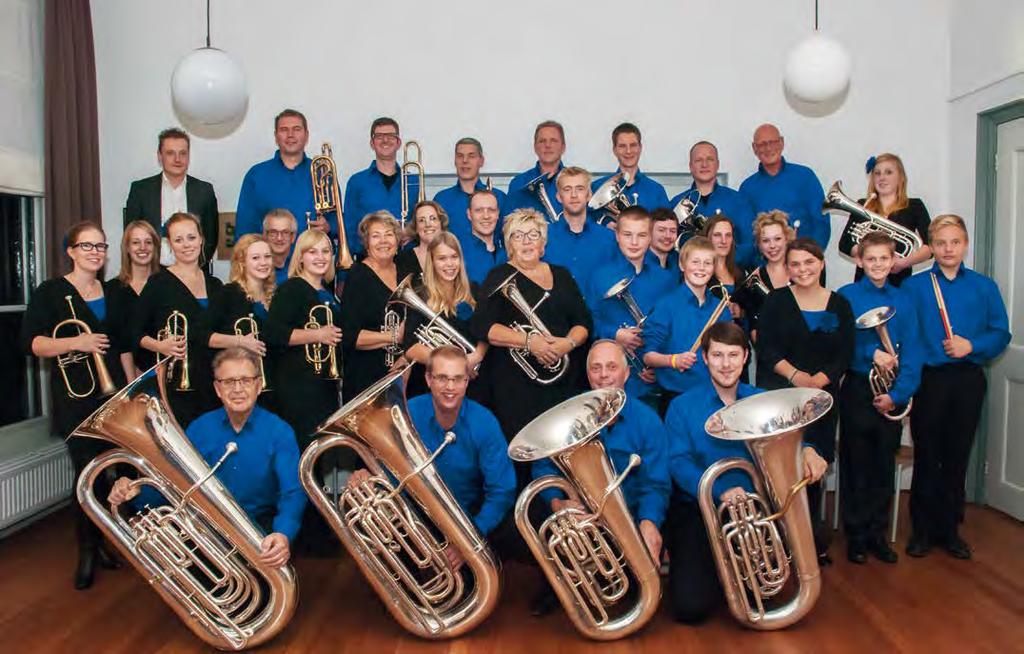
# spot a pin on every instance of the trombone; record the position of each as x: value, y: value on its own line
x: 411, y: 165
x: 247, y: 324
x: 315, y: 354
x: 327, y: 197
x: 65, y: 361
x: 175, y: 327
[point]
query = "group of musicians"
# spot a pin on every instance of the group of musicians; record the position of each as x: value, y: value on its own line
x: 621, y: 298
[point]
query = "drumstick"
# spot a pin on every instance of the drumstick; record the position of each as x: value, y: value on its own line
x: 712, y: 320
x: 943, y: 313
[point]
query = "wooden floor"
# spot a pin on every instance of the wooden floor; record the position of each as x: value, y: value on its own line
x: 933, y: 605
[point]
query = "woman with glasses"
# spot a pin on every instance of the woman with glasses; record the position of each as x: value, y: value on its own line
x: 82, y: 295
x: 430, y: 221
x: 139, y: 261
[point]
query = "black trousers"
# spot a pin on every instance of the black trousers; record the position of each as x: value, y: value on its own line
x: 944, y: 419
x: 693, y: 589
x: 82, y: 452
x: 867, y: 461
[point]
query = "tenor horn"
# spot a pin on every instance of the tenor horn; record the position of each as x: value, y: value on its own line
x: 534, y: 325
x: 327, y: 198
x: 396, y: 531
x: 882, y: 379
x: 412, y: 158
x: 610, y: 198
x: 437, y: 331
x: 907, y: 240
x: 66, y: 361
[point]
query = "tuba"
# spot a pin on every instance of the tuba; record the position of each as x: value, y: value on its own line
x: 327, y: 198
x: 754, y: 541
x: 247, y: 325
x: 65, y: 361
x: 591, y: 557
x: 411, y: 165
x: 315, y: 354
x: 620, y: 291
x: 536, y: 186
x: 522, y: 356
x: 177, y: 326
x: 610, y: 198
x: 881, y: 379
x: 397, y: 543
x: 864, y: 221
x: 437, y: 331
x: 201, y: 552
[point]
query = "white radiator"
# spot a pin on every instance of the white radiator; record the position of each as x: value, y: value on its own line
x: 34, y: 482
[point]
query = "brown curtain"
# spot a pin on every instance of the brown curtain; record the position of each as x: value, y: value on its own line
x: 72, y: 139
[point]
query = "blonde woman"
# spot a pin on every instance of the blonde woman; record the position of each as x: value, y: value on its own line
x: 772, y: 234
x: 139, y: 261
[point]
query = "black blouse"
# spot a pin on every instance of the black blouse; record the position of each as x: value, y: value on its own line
x: 365, y: 298
x: 914, y: 217
x: 125, y: 296
x: 408, y: 264
x: 751, y: 299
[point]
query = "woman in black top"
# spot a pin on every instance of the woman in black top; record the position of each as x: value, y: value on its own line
x: 303, y: 396
x: 887, y: 196
x: 430, y: 220
x: 370, y: 350
x: 95, y: 306
x: 771, y: 235
x: 139, y: 261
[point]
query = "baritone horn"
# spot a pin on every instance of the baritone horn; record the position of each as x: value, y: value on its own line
x: 865, y: 222
x: 593, y: 557
x: 318, y: 354
x: 534, y: 325
x: 177, y: 327
x: 412, y: 158
x: 620, y: 291
x: 97, y: 370
x: 200, y: 552
x: 610, y: 198
x: 327, y: 198
x: 759, y: 541
x: 881, y: 379
x: 397, y: 525
x: 247, y: 325
x: 437, y: 331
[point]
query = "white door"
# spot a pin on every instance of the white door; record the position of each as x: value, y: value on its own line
x: 1004, y: 482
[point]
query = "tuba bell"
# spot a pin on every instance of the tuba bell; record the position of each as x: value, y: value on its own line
x: 610, y: 198
x: 535, y: 325
x: 327, y: 198
x: 201, y: 553
x: 177, y: 326
x: 65, y: 361
x: 318, y: 354
x: 411, y: 165
x: 591, y: 558
x: 755, y: 541
x: 437, y: 331
x: 864, y: 222
x: 881, y: 379
x: 396, y: 532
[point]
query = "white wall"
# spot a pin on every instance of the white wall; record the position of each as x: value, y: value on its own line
x: 21, y: 96
x: 682, y: 70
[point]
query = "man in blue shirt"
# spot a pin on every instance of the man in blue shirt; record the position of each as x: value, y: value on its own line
x: 576, y: 243
x: 693, y: 585
x: 469, y: 159
x: 789, y: 187
x: 526, y: 188
x: 379, y: 186
x: 263, y: 474
x: 640, y: 190
x: 481, y: 250
x: 280, y: 228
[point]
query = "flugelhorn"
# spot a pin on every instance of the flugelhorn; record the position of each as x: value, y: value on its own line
x: 97, y: 370
x: 247, y: 325
x: 590, y: 557
x: 534, y: 325
x: 318, y: 354
x: 610, y: 198
x: 907, y: 241
x: 755, y: 540
x: 620, y: 291
x: 177, y: 327
x: 536, y: 186
x: 882, y: 379
x: 437, y: 331
x: 411, y: 165
x: 399, y: 554
x: 201, y: 552
x: 327, y: 198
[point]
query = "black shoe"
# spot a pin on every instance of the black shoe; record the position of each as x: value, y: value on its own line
x: 881, y: 551
x: 919, y: 546
x: 86, y: 568
x: 824, y: 560
x: 857, y: 553
x: 958, y: 548
x: 108, y: 560
x: 543, y: 602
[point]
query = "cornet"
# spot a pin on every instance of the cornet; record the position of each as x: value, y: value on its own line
x: 620, y: 291
x: 411, y: 165
x: 327, y: 198
x: 610, y: 198
x: 315, y: 354
x: 177, y: 327
x: 907, y: 241
x: 534, y: 325
x: 881, y: 379
x: 65, y: 361
x: 247, y: 325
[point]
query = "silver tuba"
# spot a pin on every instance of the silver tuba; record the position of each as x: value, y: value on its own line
x: 610, y: 198
x: 437, y: 331
x: 201, y: 553
x: 881, y: 379
x: 864, y: 222
x: 536, y: 186
x: 399, y: 554
x: 592, y: 557
x: 522, y: 356
x: 754, y: 541
x: 620, y: 291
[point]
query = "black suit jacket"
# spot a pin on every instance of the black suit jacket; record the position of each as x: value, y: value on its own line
x: 144, y: 204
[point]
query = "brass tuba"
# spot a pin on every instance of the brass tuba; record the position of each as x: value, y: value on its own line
x: 397, y: 544
x: 437, y: 331
x: 327, y: 198
x: 315, y: 354
x: 620, y: 291
x: 536, y: 186
x: 907, y: 240
x: 590, y: 558
x: 411, y: 165
x: 754, y: 541
x: 535, y: 325
x: 610, y: 198
x: 65, y: 361
x: 881, y: 379
x: 201, y: 553
x: 177, y: 326
x: 247, y: 325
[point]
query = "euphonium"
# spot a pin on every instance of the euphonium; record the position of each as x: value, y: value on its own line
x: 610, y: 198
x: 411, y: 165
x: 536, y: 186
x: 881, y: 379
x: 535, y: 325
x: 402, y: 557
x: 201, y: 553
x: 437, y: 331
x: 315, y: 354
x: 177, y: 326
x: 907, y: 241
x: 249, y: 323
x: 327, y: 198
x: 755, y: 540
x: 65, y: 361
x: 620, y: 291
x: 590, y: 557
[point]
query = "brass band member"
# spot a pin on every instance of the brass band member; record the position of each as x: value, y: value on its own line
x: 279, y: 229
x: 771, y: 235
x: 960, y: 334
x: 549, y: 146
x: 429, y: 220
x: 138, y: 263
x: 694, y: 590
x: 83, y: 293
x: 664, y: 232
x: 721, y: 232
x: 640, y: 190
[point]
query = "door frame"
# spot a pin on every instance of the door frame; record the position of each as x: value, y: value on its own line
x: 984, y: 235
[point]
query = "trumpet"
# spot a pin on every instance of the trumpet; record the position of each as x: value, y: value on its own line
x: 715, y: 315
x: 535, y: 325
x: 536, y: 186
x: 411, y: 165
x: 65, y: 361
x: 437, y: 331
x: 907, y: 241
x: 620, y: 291
x: 327, y: 198
x: 177, y: 327
x: 247, y: 324
x: 610, y: 198
x: 315, y: 354
x: 882, y: 379
x: 590, y: 557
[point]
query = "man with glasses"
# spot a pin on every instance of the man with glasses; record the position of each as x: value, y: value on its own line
x: 280, y: 228
x: 469, y: 159
x: 640, y: 190
x: 574, y: 242
x: 379, y: 186
x: 263, y: 474
x: 789, y: 187
x: 525, y: 188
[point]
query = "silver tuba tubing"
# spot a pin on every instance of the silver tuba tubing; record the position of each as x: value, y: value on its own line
x: 522, y: 356
x: 620, y: 291
x: 907, y: 240
x: 437, y: 331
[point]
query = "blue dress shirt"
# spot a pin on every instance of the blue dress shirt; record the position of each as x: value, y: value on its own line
x: 736, y: 207
x: 455, y: 203
x: 272, y: 185
x: 521, y: 197
x: 479, y: 260
x: 796, y: 190
x: 649, y: 194
x: 366, y: 193
x: 581, y: 253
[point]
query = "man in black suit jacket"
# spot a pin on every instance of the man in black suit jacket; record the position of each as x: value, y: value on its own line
x: 155, y: 199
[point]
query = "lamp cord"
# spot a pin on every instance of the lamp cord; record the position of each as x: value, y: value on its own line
x: 208, y: 23
x: 208, y: 19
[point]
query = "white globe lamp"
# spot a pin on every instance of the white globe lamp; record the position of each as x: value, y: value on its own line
x: 208, y: 87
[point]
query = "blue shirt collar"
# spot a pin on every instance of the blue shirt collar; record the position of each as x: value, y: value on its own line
x: 280, y: 161
x: 225, y: 422
x: 941, y: 275
x: 782, y: 167
x: 870, y: 286
x: 536, y: 170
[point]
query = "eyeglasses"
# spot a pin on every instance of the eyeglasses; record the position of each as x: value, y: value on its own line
x: 445, y: 380
x: 532, y: 235
x: 89, y: 247
x: 767, y: 145
x: 237, y: 382
x: 431, y: 218
x: 386, y: 136
x: 279, y: 233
